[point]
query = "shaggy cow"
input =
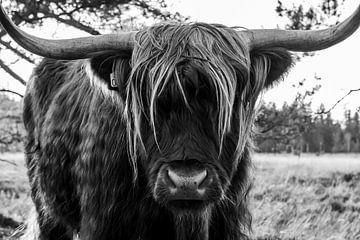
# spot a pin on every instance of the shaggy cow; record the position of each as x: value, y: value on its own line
x: 150, y: 138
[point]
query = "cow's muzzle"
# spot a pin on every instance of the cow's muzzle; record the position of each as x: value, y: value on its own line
x: 187, y: 184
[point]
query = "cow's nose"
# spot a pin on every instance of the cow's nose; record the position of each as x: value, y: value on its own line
x: 191, y: 179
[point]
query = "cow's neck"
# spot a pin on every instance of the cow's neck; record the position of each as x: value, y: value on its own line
x: 192, y: 227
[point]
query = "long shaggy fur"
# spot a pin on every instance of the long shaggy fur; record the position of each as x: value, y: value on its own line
x: 217, y: 51
x: 87, y: 149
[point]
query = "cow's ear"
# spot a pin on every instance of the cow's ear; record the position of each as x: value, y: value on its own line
x: 272, y: 63
x: 113, y: 70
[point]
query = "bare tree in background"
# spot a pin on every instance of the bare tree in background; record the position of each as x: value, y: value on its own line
x: 294, y: 124
x: 90, y: 16
x: 303, y: 17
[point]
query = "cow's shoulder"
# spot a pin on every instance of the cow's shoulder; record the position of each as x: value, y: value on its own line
x: 46, y: 81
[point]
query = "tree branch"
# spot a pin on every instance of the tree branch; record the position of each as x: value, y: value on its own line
x: 7, y: 161
x: 13, y: 92
x: 338, y: 101
x: 76, y: 24
x: 16, y: 51
x: 276, y: 124
x: 156, y: 12
x: 12, y: 73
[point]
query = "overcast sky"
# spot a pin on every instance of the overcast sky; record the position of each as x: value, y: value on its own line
x: 339, y: 66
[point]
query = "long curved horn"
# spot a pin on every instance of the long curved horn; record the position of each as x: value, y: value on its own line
x: 76, y: 48
x: 303, y: 41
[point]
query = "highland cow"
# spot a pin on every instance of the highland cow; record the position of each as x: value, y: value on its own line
x: 147, y: 135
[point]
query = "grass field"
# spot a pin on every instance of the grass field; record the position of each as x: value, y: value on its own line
x: 308, y: 197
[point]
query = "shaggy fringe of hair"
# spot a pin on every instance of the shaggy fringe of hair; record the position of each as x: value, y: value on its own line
x: 221, y: 54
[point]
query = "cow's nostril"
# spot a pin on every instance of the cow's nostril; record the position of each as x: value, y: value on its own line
x: 190, y: 180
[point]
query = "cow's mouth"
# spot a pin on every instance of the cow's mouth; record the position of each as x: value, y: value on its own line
x: 187, y: 205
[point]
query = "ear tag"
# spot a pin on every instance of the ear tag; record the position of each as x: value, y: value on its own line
x: 113, y: 83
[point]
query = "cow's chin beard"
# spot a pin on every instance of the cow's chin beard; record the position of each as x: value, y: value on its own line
x: 191, y: 210
x: 194, y: 225
x: 192, y: 218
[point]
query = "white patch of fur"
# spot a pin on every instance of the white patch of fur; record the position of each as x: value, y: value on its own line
x: 99, y: 84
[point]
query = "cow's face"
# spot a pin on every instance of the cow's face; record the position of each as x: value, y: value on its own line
x: 189, y: 105
x: 183, y: 161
